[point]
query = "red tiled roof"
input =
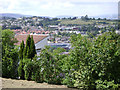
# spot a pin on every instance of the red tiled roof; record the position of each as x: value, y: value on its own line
x: 23, y: 37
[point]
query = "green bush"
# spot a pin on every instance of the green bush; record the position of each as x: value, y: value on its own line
x: 96, y: 62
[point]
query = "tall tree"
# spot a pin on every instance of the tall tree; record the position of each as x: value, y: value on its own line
x: 29, y: 51
x: 32, y: 48
x: 27, y: 47
x: 21, y: 50
x: 21, y: 63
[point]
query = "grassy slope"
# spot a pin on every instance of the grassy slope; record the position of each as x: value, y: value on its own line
x: 81, y: 22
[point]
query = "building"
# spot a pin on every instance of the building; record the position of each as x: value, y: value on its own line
x: 40, y: 40
x: 66, y: 46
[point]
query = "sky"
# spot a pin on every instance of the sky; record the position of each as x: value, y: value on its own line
x: 55, y: 8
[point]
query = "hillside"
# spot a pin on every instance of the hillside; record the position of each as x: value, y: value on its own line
x: 81, y: 22
x: 13, y: 15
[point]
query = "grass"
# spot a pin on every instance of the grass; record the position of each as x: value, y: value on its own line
x: 76, y: 21
x: 81, y: 22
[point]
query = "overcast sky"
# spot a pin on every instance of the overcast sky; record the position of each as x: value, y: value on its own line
x: 54, y: 8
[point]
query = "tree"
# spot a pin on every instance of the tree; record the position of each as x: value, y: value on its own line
x: 29, y: 51
x: 99, y: 18
x: 54, y: 19
x: 9, y: 54
x: 82, y: 17
x: 32, y: 48
x: 104, y: 19
x: 74, y: 18
x: 26, y: 52
x: 26, y: 55
x: 21, y: 50
x: 21, y: 63
x: 86, y: 17
x: 93, y: 18
x: 96, y: 63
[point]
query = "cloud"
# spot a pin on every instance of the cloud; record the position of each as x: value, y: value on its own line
x: 93, y: 0
x: 57, y: 7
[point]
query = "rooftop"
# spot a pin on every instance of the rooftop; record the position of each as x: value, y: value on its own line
x: 36, y: 37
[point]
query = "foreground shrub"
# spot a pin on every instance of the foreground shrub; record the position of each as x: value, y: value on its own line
x: 96, y: 62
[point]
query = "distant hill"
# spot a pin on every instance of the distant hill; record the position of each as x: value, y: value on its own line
x: 115, y: 16
x: 13, y: 15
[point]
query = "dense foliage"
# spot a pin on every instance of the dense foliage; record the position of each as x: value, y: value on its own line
x: 91, y: 63
x: 96, y: 63
x: 9, y: 54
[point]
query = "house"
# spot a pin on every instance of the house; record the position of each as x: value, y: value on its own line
x: 40, y: 40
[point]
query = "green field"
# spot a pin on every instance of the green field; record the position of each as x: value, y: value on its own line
x: 81, y: 22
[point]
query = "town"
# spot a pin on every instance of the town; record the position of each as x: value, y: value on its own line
x: 58, y: 30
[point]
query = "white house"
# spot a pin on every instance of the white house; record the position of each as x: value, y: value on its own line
x: 40, y: 40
